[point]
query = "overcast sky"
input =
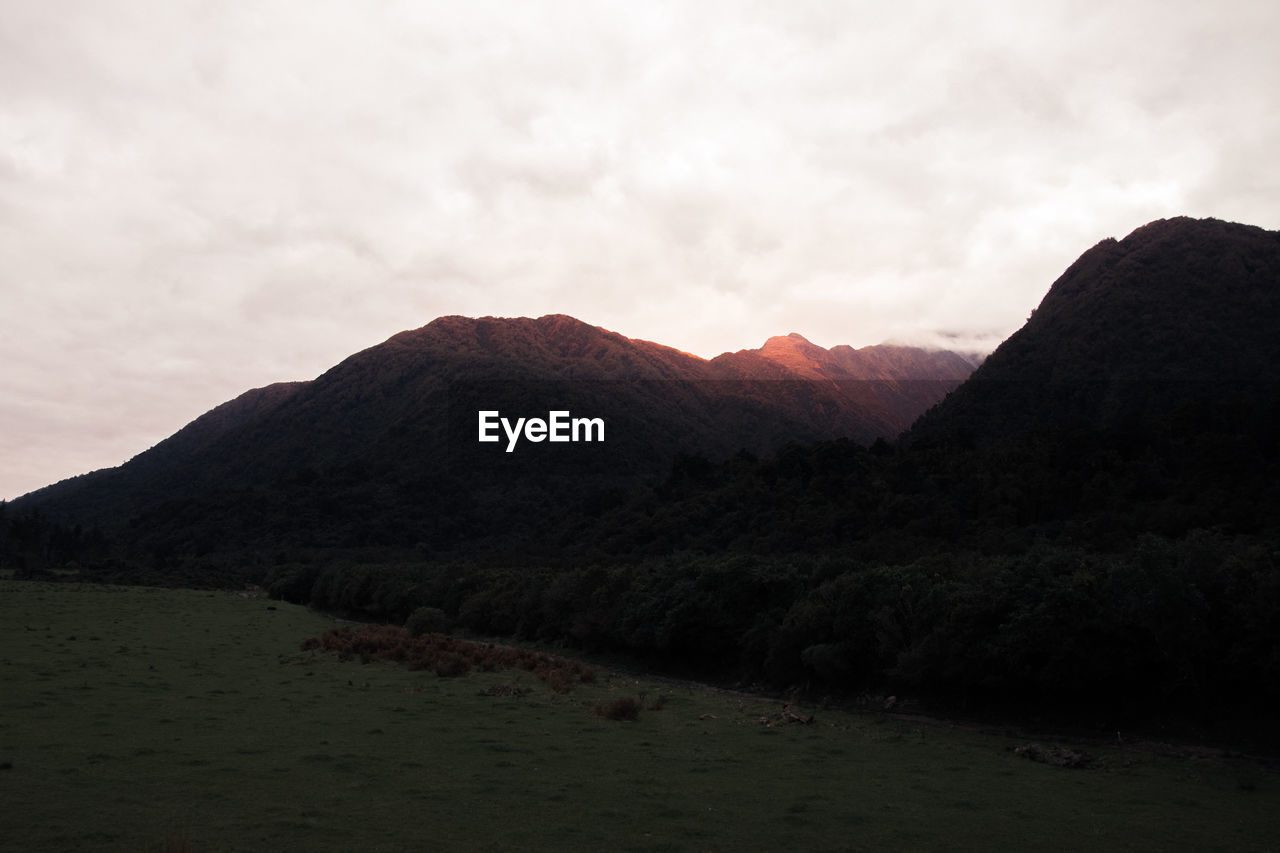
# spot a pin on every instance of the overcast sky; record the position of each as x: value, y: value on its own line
x: 198, y: 198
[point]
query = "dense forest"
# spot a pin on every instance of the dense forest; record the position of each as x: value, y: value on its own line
x: 1090, y: 524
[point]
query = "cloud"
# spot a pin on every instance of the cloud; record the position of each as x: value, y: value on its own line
x: 199, y: 198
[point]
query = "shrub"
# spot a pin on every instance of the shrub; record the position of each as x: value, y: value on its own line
x: 427, y: 620
x: 559, y: 680
x: 453, y: 666
x: 449, y: 657
x: 622, y: 708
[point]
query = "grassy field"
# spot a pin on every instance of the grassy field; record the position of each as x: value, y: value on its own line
x: 146, y: 719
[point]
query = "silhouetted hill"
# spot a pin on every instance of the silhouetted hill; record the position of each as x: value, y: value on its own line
x: 1141, y: 396
x: 92, y: 498
x: 1090, y: 524
x: 1181, y: 312
x: 383, y: 448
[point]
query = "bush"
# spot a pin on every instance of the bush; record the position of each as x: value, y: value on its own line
x: 427, y: 620
x: 453, y: 666
x: 449, y: 657
x: 622, y: 708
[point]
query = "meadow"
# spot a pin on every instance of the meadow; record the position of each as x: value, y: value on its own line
x: 136, y: 718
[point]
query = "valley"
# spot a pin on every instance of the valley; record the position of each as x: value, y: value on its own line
x: 137, y: 718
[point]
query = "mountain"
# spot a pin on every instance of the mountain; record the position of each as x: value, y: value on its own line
x: 383, y: 448
x: 1182, y: 312
x: 1087, y: 526
x: 886, y: 362
x: 1142, y: 395
x: 794, y: 357
x: 863, y: 394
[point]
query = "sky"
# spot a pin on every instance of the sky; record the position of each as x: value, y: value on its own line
x: 198, y: 198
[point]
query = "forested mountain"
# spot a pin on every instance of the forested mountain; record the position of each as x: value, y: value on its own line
x: 1143, y: 395
x: 1181, y: 312
x: 1090, y: 524
x: 383, y: 450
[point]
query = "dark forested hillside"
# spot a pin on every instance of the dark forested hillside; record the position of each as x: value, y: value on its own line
x: 1089, y: 524
x: 1091, y: 521
x: 382, y: 450
x: 1181, y: 312
x: 1143, y: 395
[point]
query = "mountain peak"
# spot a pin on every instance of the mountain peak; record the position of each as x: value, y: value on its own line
x: 1180, y: 257
x: 793, y: 339
x: 1178, y: 310
x: 798, y: 354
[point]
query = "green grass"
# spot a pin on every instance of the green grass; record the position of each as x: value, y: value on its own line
x: 145, y: 719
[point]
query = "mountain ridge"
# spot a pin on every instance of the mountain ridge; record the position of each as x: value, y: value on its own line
x: 393, y: 426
